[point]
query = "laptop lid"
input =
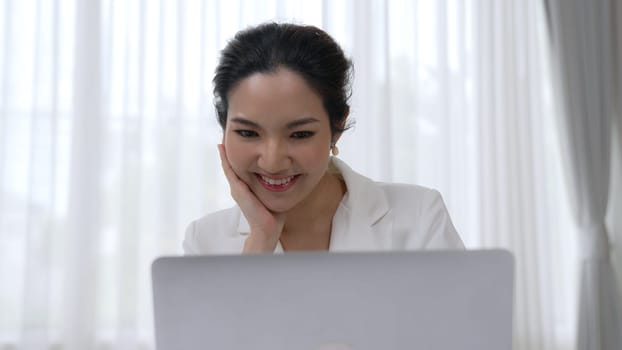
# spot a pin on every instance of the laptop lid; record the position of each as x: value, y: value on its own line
x: 438, y: 300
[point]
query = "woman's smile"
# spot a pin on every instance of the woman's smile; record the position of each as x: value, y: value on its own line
x: 277, y: 184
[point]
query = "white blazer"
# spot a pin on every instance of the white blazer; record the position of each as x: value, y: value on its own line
x: 372, y: 216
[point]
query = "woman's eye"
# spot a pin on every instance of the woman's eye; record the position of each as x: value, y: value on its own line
x: 246, y: 133
x: 302, y: 134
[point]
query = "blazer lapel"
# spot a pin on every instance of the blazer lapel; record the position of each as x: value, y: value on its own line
x: 363, y: 221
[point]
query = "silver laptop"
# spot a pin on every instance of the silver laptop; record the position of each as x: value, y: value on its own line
x: 441, y: 300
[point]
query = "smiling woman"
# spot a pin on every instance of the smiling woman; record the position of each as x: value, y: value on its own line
x: 280, y: 151
x: 282, y: 100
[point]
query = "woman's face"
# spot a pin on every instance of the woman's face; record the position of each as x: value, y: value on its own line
x: 277, y: 137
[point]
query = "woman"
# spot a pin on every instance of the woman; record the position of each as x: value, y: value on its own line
x: 281, y: 94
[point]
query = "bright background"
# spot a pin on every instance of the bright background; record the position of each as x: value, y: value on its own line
x: 108, y: 147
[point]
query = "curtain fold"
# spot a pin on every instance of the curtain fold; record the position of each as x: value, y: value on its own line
x: 80, y: 268
x: 582, y: 52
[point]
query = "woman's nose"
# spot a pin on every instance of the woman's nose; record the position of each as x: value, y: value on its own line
x: 274, y: 157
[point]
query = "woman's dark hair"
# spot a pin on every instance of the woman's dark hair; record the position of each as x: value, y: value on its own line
x: 306, y: 50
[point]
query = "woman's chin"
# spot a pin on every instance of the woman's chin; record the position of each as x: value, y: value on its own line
x: 277, y: 205
x: 278, y: 208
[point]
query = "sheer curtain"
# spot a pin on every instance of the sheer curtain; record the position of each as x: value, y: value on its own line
x: 107, y: 147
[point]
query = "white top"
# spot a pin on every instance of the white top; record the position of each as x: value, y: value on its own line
x: 372, y: 216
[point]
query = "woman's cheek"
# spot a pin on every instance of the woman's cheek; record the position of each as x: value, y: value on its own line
x: 316, y: 157
x: 239, y: 160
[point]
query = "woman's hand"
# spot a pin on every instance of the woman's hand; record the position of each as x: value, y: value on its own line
x: 266, y: 227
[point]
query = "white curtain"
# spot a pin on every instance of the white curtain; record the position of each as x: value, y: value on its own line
x: 108, y: 134
x: 582, y: 43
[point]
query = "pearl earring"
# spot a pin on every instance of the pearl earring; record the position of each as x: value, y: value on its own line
x: 334, y: 150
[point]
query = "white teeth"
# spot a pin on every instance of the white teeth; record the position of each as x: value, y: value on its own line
x: 277, y: 182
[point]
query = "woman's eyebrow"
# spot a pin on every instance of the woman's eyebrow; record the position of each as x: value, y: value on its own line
x: 300, y: 122
x: 243, y: 121
x: 290, y: 125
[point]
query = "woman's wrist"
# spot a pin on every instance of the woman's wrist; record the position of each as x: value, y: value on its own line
x: 260, y: 243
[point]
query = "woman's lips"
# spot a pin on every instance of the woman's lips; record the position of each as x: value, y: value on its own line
x: 279, y: 184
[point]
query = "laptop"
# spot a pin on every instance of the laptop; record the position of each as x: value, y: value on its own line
x: 441, y: 300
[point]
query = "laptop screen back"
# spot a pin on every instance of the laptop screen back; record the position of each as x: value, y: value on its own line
x: 438, y: 300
